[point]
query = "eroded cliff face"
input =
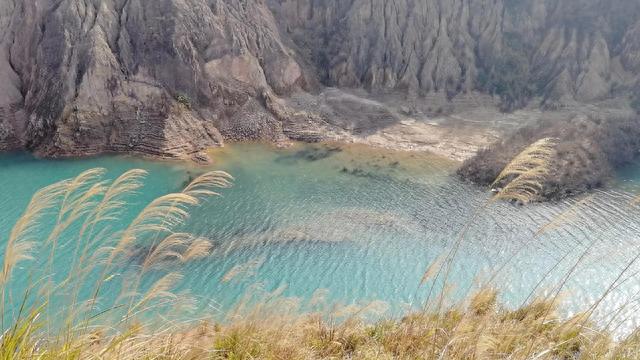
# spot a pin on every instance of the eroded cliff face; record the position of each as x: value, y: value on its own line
x: 425, y: 46
x: 570, y: 50
x: 171, y: 77
x: 150, y: 76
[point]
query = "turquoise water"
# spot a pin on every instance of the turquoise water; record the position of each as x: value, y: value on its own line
x: 364, y: 224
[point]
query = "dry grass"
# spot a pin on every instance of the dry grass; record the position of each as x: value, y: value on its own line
x: 83, y: 214
x: 523, y: 178
x: 478, y: 329
x: 263, y: 325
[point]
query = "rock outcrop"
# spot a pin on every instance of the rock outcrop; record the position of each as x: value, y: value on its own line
x: 588, y: 150
x: 162, y: 77
x: 171, y: 77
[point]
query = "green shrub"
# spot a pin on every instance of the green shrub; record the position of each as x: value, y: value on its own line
x: 184, y: 100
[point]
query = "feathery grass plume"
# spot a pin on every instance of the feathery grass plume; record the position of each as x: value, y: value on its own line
x: 567, y: 216
x: 175, y: 247
x: 79, y: 198
x: 169, y: 248
x: 160, y: 289
x: 76, y: 201
x: 244, y: 270
x: 108, y: 209
x: 160, y: 216
x: 534, y: 156
x: 22, y: 237
x: 113, y: 203
x: 431, y: 270
x: 168, y: 211
x: 76, y: 190
x: 93, y: 203
x: 523, y: 178
x: 483, y: 301
x: 199, y: 248
x: 205, y: 184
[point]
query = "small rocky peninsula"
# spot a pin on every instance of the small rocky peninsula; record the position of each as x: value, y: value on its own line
x: 588, y: 151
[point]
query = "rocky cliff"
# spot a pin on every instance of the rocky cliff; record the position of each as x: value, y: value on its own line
x: 171, y: 77
x: 86, y: 76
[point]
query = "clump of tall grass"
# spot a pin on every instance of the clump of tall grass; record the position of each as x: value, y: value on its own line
x: 523, y: 178
x: 83, y: 216
x: 276, y: 329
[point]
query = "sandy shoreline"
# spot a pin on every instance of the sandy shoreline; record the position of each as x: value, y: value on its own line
x: 410, y: 135
x: 454, y: 128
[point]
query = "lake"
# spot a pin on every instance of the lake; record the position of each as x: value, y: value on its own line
x: 364, y: 224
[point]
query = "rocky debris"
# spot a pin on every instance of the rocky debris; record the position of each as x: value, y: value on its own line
x: 9, y: 121
x: 201, y: 158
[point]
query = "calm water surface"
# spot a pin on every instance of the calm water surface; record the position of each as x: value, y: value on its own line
x: 364, y: 224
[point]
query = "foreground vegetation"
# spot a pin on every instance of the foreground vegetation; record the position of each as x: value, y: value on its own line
x: 478, y: 330
x: 140, y: 263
